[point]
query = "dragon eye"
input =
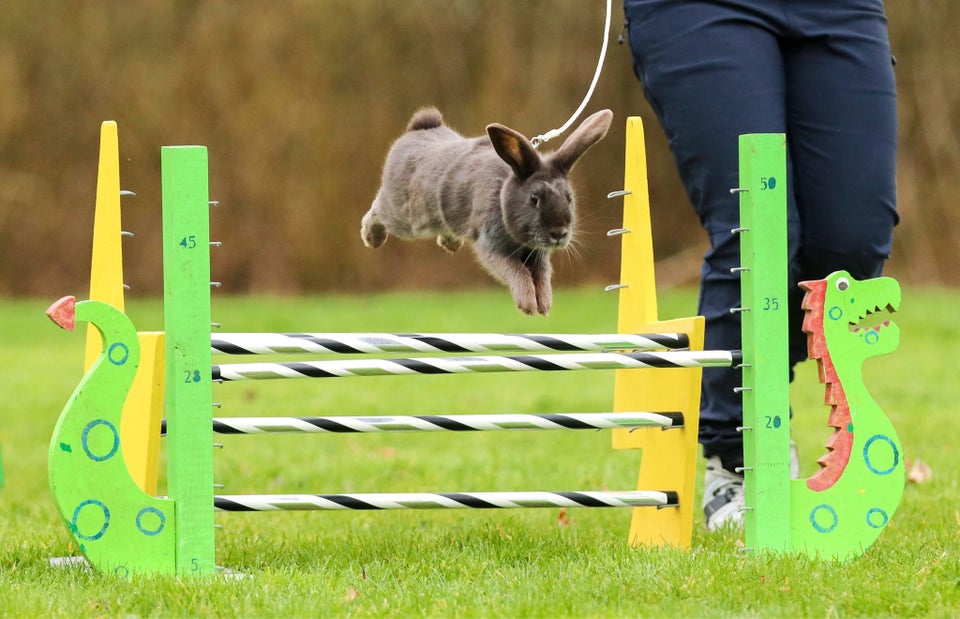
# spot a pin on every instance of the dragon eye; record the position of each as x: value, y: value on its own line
x: 842, y: 284
x: 534, y: 199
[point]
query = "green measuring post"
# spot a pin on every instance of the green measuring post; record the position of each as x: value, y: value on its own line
x: 763, y: 291
x: 188, y: 402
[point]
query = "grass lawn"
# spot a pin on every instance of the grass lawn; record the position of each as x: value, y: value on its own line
x: 512, y: 563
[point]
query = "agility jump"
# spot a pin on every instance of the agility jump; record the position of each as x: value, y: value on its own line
x: 122, y: 528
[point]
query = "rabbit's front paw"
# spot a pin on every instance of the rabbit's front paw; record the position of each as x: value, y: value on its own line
x: 527, y: 306
x: 526, y: 298
x: 544, y: 303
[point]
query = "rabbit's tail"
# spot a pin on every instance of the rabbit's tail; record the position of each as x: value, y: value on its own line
x: 427, y: 118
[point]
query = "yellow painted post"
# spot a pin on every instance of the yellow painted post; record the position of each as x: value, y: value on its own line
x: 140, y: 426
x: 669, y: 458
x: 106, y: 262
x: 143, y: 412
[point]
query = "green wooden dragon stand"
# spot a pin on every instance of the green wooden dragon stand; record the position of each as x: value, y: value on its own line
x: 843, y: 507
x: 117, y: 526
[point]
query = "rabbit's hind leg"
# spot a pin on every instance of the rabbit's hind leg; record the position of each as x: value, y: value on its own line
x: 372, y: 230
x: 449, y: 243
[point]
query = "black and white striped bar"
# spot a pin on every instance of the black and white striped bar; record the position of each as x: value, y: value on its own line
x: 445, y: 423
x: 490, y: 363
x: 372, y: 343
x: 443, y: 500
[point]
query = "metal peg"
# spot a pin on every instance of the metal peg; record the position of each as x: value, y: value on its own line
x: 618, y: 231
x: 619, y: 193
x: 615, y: 287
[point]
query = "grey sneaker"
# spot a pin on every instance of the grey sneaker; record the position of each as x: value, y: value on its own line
x: 723, y: 492
x: 722, y: 496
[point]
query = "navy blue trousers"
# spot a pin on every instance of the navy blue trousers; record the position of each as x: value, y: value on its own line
x: 821, y: 72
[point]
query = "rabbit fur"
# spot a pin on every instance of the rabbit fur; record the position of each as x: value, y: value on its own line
x: 496, y: 191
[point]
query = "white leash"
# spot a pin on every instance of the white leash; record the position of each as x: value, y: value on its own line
x: 549, y: 135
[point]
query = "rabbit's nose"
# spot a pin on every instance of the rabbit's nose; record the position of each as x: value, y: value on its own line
x: 559, y: 235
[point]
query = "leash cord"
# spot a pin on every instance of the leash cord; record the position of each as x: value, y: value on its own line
x: 549, y: 135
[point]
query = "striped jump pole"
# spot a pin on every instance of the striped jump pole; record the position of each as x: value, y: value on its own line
x: 489, y: 363
x: 444, y: 423
x: 366, y: 343
x: 443, y: 500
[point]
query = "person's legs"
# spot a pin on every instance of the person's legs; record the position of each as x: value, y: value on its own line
x: 842, y: 135
x: 712, y: 71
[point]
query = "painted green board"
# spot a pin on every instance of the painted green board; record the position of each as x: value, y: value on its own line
x: 766, y: 403
x: 188, y: 397
x: 841, y: 510
x: 118, y: 527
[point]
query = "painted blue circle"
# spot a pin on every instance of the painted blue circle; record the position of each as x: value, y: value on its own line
x: 121, y: 570
x: 835, y: 313
x: 124, y: 353
x: 819, y: 527
x: 872, y: 337
x: 76, y: 516
x: 866, y: 454
x: 160, y: 525
x: 113, y: 448
x: 883, y: 515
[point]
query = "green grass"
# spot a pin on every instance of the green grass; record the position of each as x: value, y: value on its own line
x: 472, y: 564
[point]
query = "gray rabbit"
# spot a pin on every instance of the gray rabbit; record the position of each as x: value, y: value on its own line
x: 495, y: 191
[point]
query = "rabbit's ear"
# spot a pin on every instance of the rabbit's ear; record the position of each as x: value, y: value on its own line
x: 586, y: 135
x: 515, y: 149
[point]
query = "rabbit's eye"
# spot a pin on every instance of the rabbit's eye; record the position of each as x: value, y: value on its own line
x: 534, y: 199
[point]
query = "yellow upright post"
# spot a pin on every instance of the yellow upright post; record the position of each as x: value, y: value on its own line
x: 140, y: 423
x: 669, y: 458
x: 106, y: 262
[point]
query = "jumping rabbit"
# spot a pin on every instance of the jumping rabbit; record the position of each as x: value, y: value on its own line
x: 496, y: 191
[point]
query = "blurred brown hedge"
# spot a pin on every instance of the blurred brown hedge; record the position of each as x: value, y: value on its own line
x: 298, y: 102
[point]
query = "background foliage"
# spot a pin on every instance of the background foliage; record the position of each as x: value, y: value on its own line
x: 298, y: 102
